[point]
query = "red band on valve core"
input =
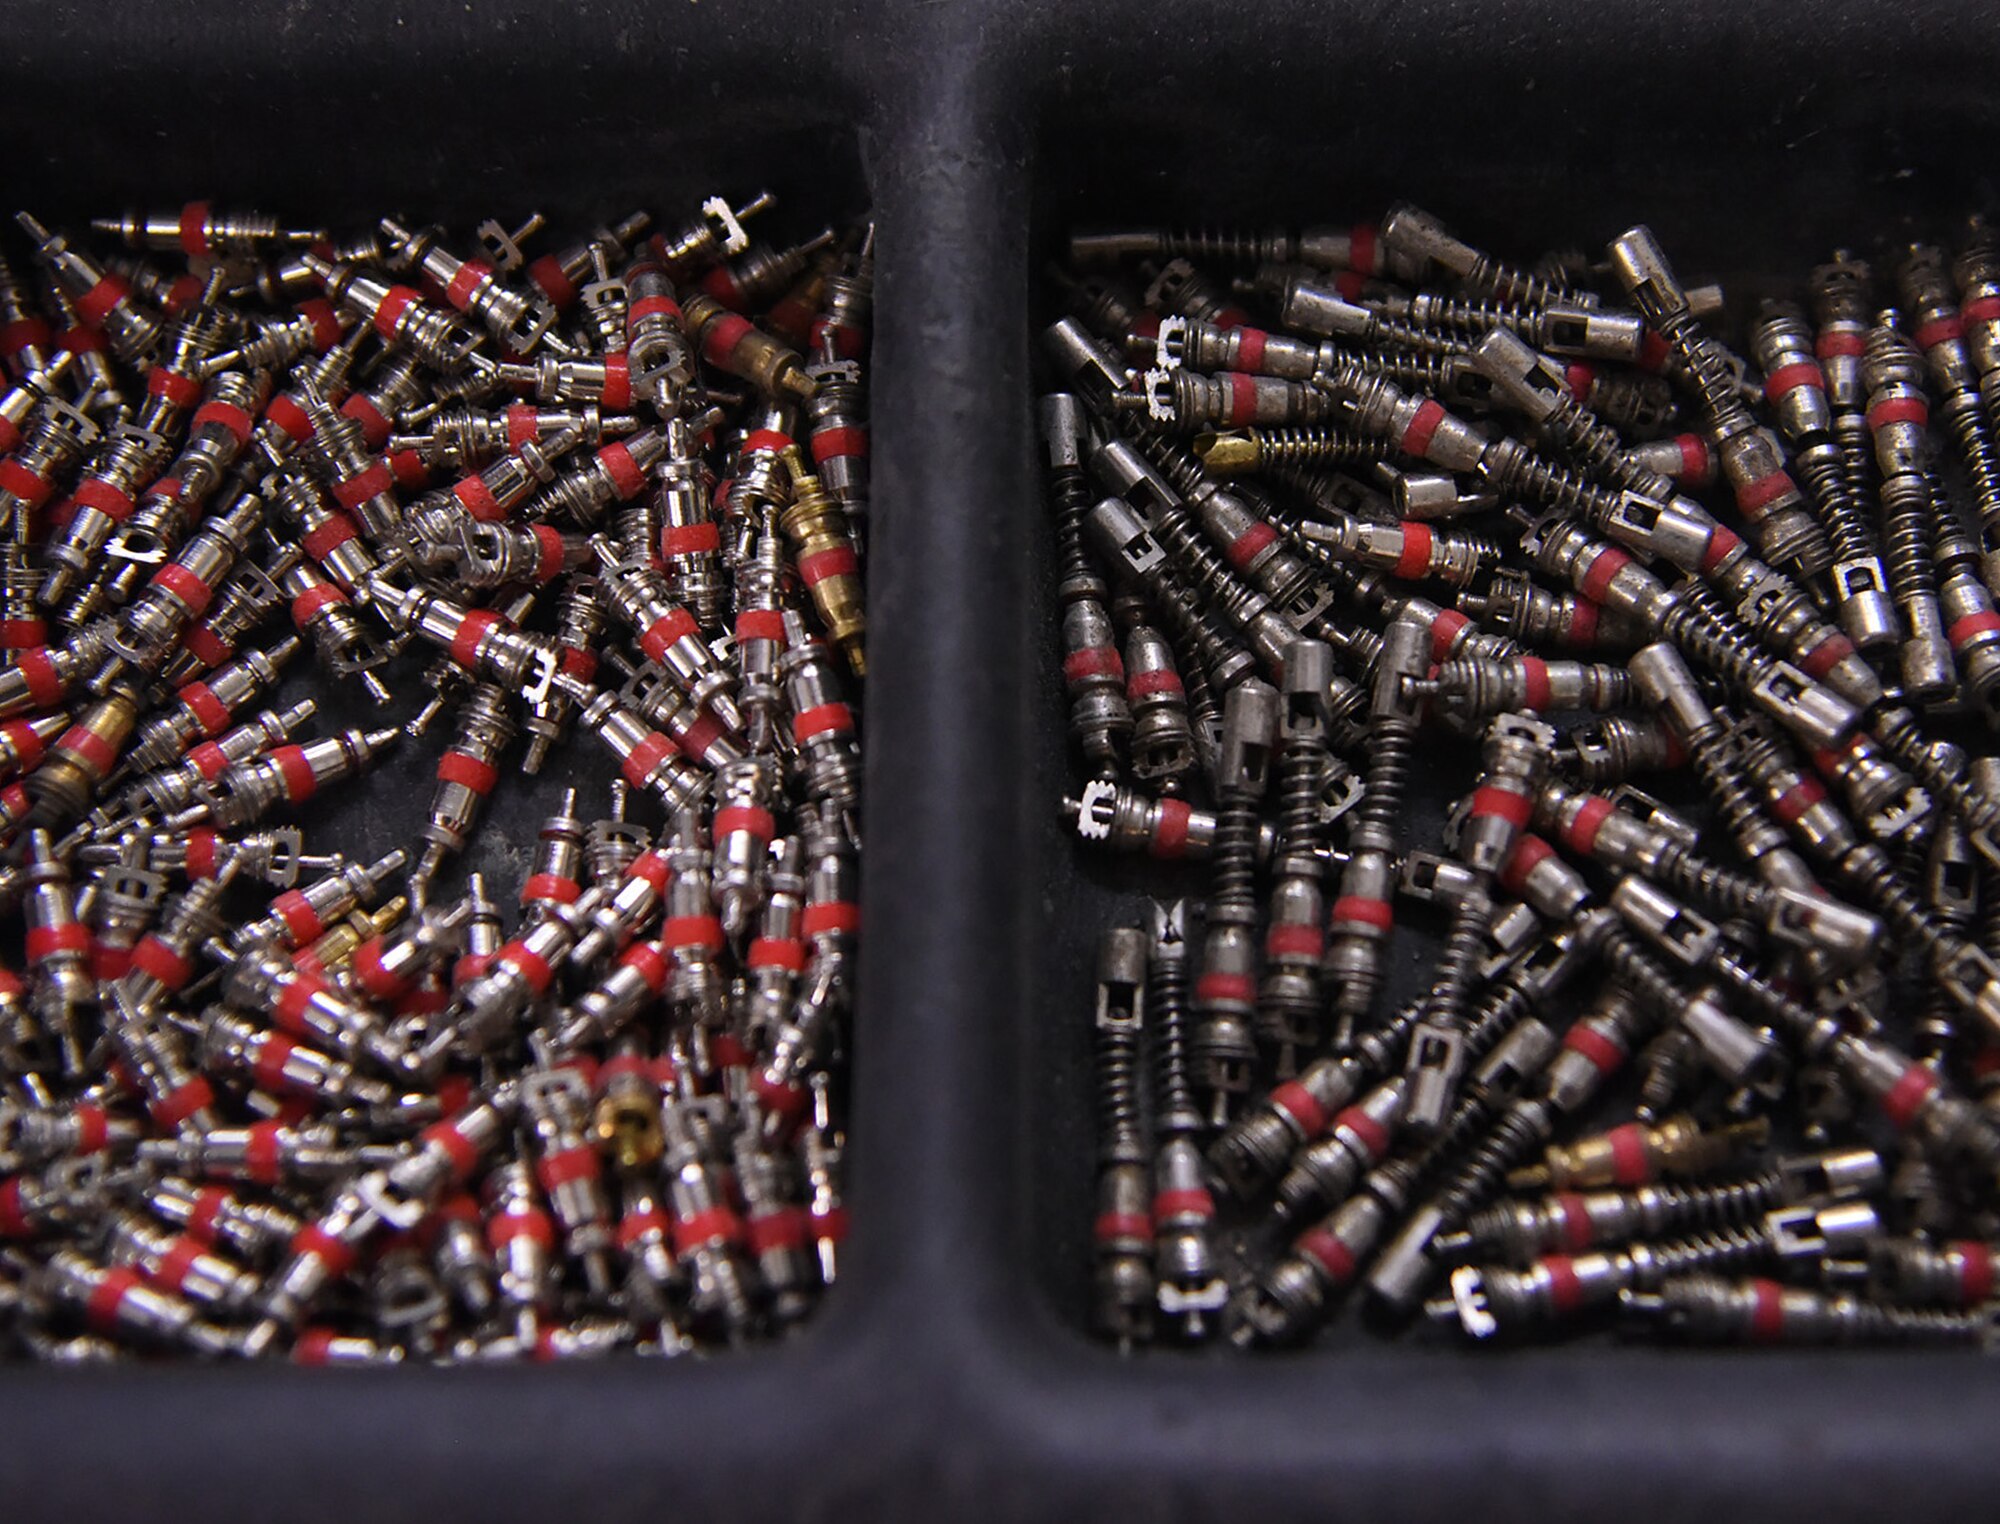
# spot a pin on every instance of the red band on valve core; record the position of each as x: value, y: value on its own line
x: 96, y: 303
x: 1415, y: 557
x: 1629, y: 1161
x: 1294, y: 942
x: 1160, y: 680
x: 1767, y: 1315
x: 647, y: 961
x: 776, y: 952
x: 301, y: 920
x: 651, y: 306
x: 263, y: 1153
x: 1113, y: 1227
x: 692, y: 932
x: 758, y: 822
x: 314, y: 601
x: 292, y: 419
x: 724, y: 333
x: 332, y: 533
x: 567, y: 1166
x: 25, y: 743
x: 1168, y: 1205
x: 47, y: 941
x: 836, y: 444
x: 100, y: 1308
x: 549, y: 888
x: 1250, y: 344
x: 1604, y: 566
x: 157, y: 961
x: 356, y: 490
x: 471, y: 634
x: 1975, y: 1271
x: 209, y: 712
x: 820, y: 719
x: 1359, y: 910
x: 648, y: 1224
x: 268, y: 1053
x: 1580, y: 834
x: 1249, y: 545
x: 1905, y: 1099
x: 374, y: 426
x: 454, y: 1145
x: 1565, y: 1290
x: 839, y: 561
x: 549, y: 552
x: 533, y: 1225
x: 1301, y: 1106
x: 95, y: 492
x: 1334, y: 1258
x: 478, y: 499
x: 195, y: 595
x: 208, y: 1205
x: 1899, y: 410
x: 206, y: 647
x: 211, y: 761
x: 830, y: 916
x: 1827, y: 655
x: 1573, y: 1217
x: 627, y: 480
x: 760, y: 624
x: 1445, y: 631
x: 675, y: 624
x: 1170, y: 836
x: 1363, y: 248
x: 1791, y: 805
x: 704, y: 538
x: 89, y: 748
x: 1605, y: 1056
x: 1943, y: 329
x: 1365, y: 1130
x: 183, y: 1103
x: 296, y: 769
x: 716, y: 1225
x: 641, y: 761
x: 27, y: 485
x: 1964, y: 631
x: 1502, y: 804
x: 547, y: 272
x: 1416, y: 440
x: 1242, y: 398
x: 45, y: 687
x: 1535, y: 690
x: 766, y: 439
x: 171, y: 386
x: 1723, y: 543
x: 466, y: 283
x: 194, y: 230
x: 1696, y: 462
x: 394, y: 303
x: 784, y: 1228
x: 468, y: 771
x: 1789, y: 378
x: 202, y: 844
x: 1093, y: 661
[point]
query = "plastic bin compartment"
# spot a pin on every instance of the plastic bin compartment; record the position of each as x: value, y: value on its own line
x: 299, y: 120
x: 1522, y: 133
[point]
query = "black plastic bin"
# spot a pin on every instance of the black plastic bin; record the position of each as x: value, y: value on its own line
x: 948, y: 1376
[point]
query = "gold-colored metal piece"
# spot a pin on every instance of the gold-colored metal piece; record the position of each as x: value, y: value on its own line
x: 827, y: 564
x: 1677, y: 1147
